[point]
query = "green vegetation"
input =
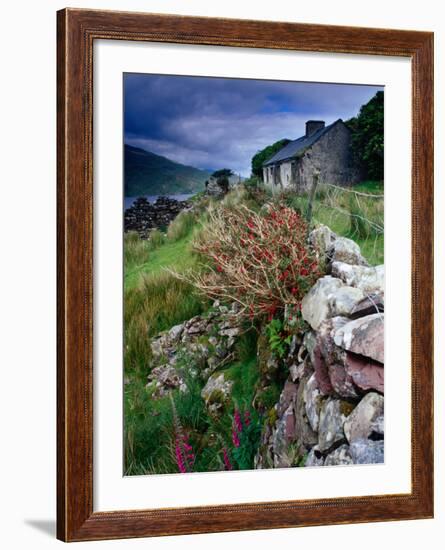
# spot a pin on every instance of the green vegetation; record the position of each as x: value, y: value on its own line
x: 156, y: 300
x: 358, y: 217
x: 150, y: 174
x: 367, y: 137
x: 265, y: 154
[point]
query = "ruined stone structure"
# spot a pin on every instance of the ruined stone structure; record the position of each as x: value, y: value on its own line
x: 323, y: 149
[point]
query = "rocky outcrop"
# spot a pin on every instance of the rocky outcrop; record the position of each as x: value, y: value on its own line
x: 143, y: 216
x: 331, y: 409
x: 198, y: 347
x: 216, y: 393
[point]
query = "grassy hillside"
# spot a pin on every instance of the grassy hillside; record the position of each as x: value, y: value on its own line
x: 150, y: 174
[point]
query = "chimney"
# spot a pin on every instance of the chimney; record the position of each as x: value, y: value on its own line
x: 313, y: 126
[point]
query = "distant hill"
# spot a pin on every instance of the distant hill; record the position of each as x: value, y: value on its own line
x: 150, y: 174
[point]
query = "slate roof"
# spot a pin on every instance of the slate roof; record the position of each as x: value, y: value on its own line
x: 298, y: 145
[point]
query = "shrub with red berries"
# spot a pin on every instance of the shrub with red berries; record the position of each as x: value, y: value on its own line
x: 261, y: 261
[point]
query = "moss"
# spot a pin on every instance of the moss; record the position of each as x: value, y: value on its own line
x: 346, y: 408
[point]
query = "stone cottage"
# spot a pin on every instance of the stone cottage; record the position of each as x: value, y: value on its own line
x: 323, y: 149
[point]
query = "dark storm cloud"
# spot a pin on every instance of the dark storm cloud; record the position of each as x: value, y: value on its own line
x: 219, y: 122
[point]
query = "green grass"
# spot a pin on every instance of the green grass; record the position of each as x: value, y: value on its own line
x: 344, y: 220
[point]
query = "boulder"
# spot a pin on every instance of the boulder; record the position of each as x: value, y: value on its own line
x: 340, y: 457
x: 216, y: 392
x: 368, y: 279
x: 345, y: 300
x: 316, y: 305
x: 320, y: 239
x: 364, y: 451
x: 361, y: 423
x: 364, y: 336
x: 333, y: 415
x: 365, y: 373
x: 347, y: 251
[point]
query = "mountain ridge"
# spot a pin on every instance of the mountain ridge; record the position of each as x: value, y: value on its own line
x: 147, y: 173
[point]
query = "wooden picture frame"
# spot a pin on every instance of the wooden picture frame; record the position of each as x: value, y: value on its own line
x: 77, y: 31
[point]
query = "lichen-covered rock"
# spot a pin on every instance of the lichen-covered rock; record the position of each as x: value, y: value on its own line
x: 327, y: 353
x: 321, y: 372
x: 340, y: 457
x: 320, y: 239
x: 175, y: 332
x: 313, y: 401
x: 365, y: 451
x: 347, y: 251
x: 283, y: 436
x: 342, y: 382
x: 365, y: 373
x: 304, y: 433
x: 163, y: 379
x: 360, y: 423
x: 368, y: 279
x: 216, y: 392
x: 316, y: 305
x: 314, y: 458
x: 364, y: 336
x: 345, y: 300
x: 333, y: 415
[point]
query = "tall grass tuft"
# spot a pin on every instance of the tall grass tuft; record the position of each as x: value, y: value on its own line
x: 157, y: 303
x: 181, y: 226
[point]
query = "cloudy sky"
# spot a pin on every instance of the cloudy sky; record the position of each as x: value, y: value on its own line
x: 212, y: 123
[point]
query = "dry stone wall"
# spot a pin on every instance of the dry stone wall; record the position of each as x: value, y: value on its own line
x: 331, y: 408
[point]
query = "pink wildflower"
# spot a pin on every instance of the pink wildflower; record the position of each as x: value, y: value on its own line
x: 179, y: 458
x: 246, y: 418
x: 237, y: 419
x: 227, y: 463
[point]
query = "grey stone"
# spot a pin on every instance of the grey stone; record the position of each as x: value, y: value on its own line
x: 345, y: 299
x: 305, y: 435
x: 333, y: 415
x: 164, y: 379
x: 230, y: 332
x: 340, y: 457
x: 314, y: 458
x: 309, y: 341
x: 321, y: 238
x: 283, y: 436
x: 175, y: 332
x: 360, y: 423
x: 316, y: 305
x: 378, y: 426
x: 364, y: 336
x: 365, y: 451
x: 347, y: 251
x: 313, y: 401
x: 216, y: 392
x: 368, y: 279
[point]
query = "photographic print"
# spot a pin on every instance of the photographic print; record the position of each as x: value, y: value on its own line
x: 253, y: 274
